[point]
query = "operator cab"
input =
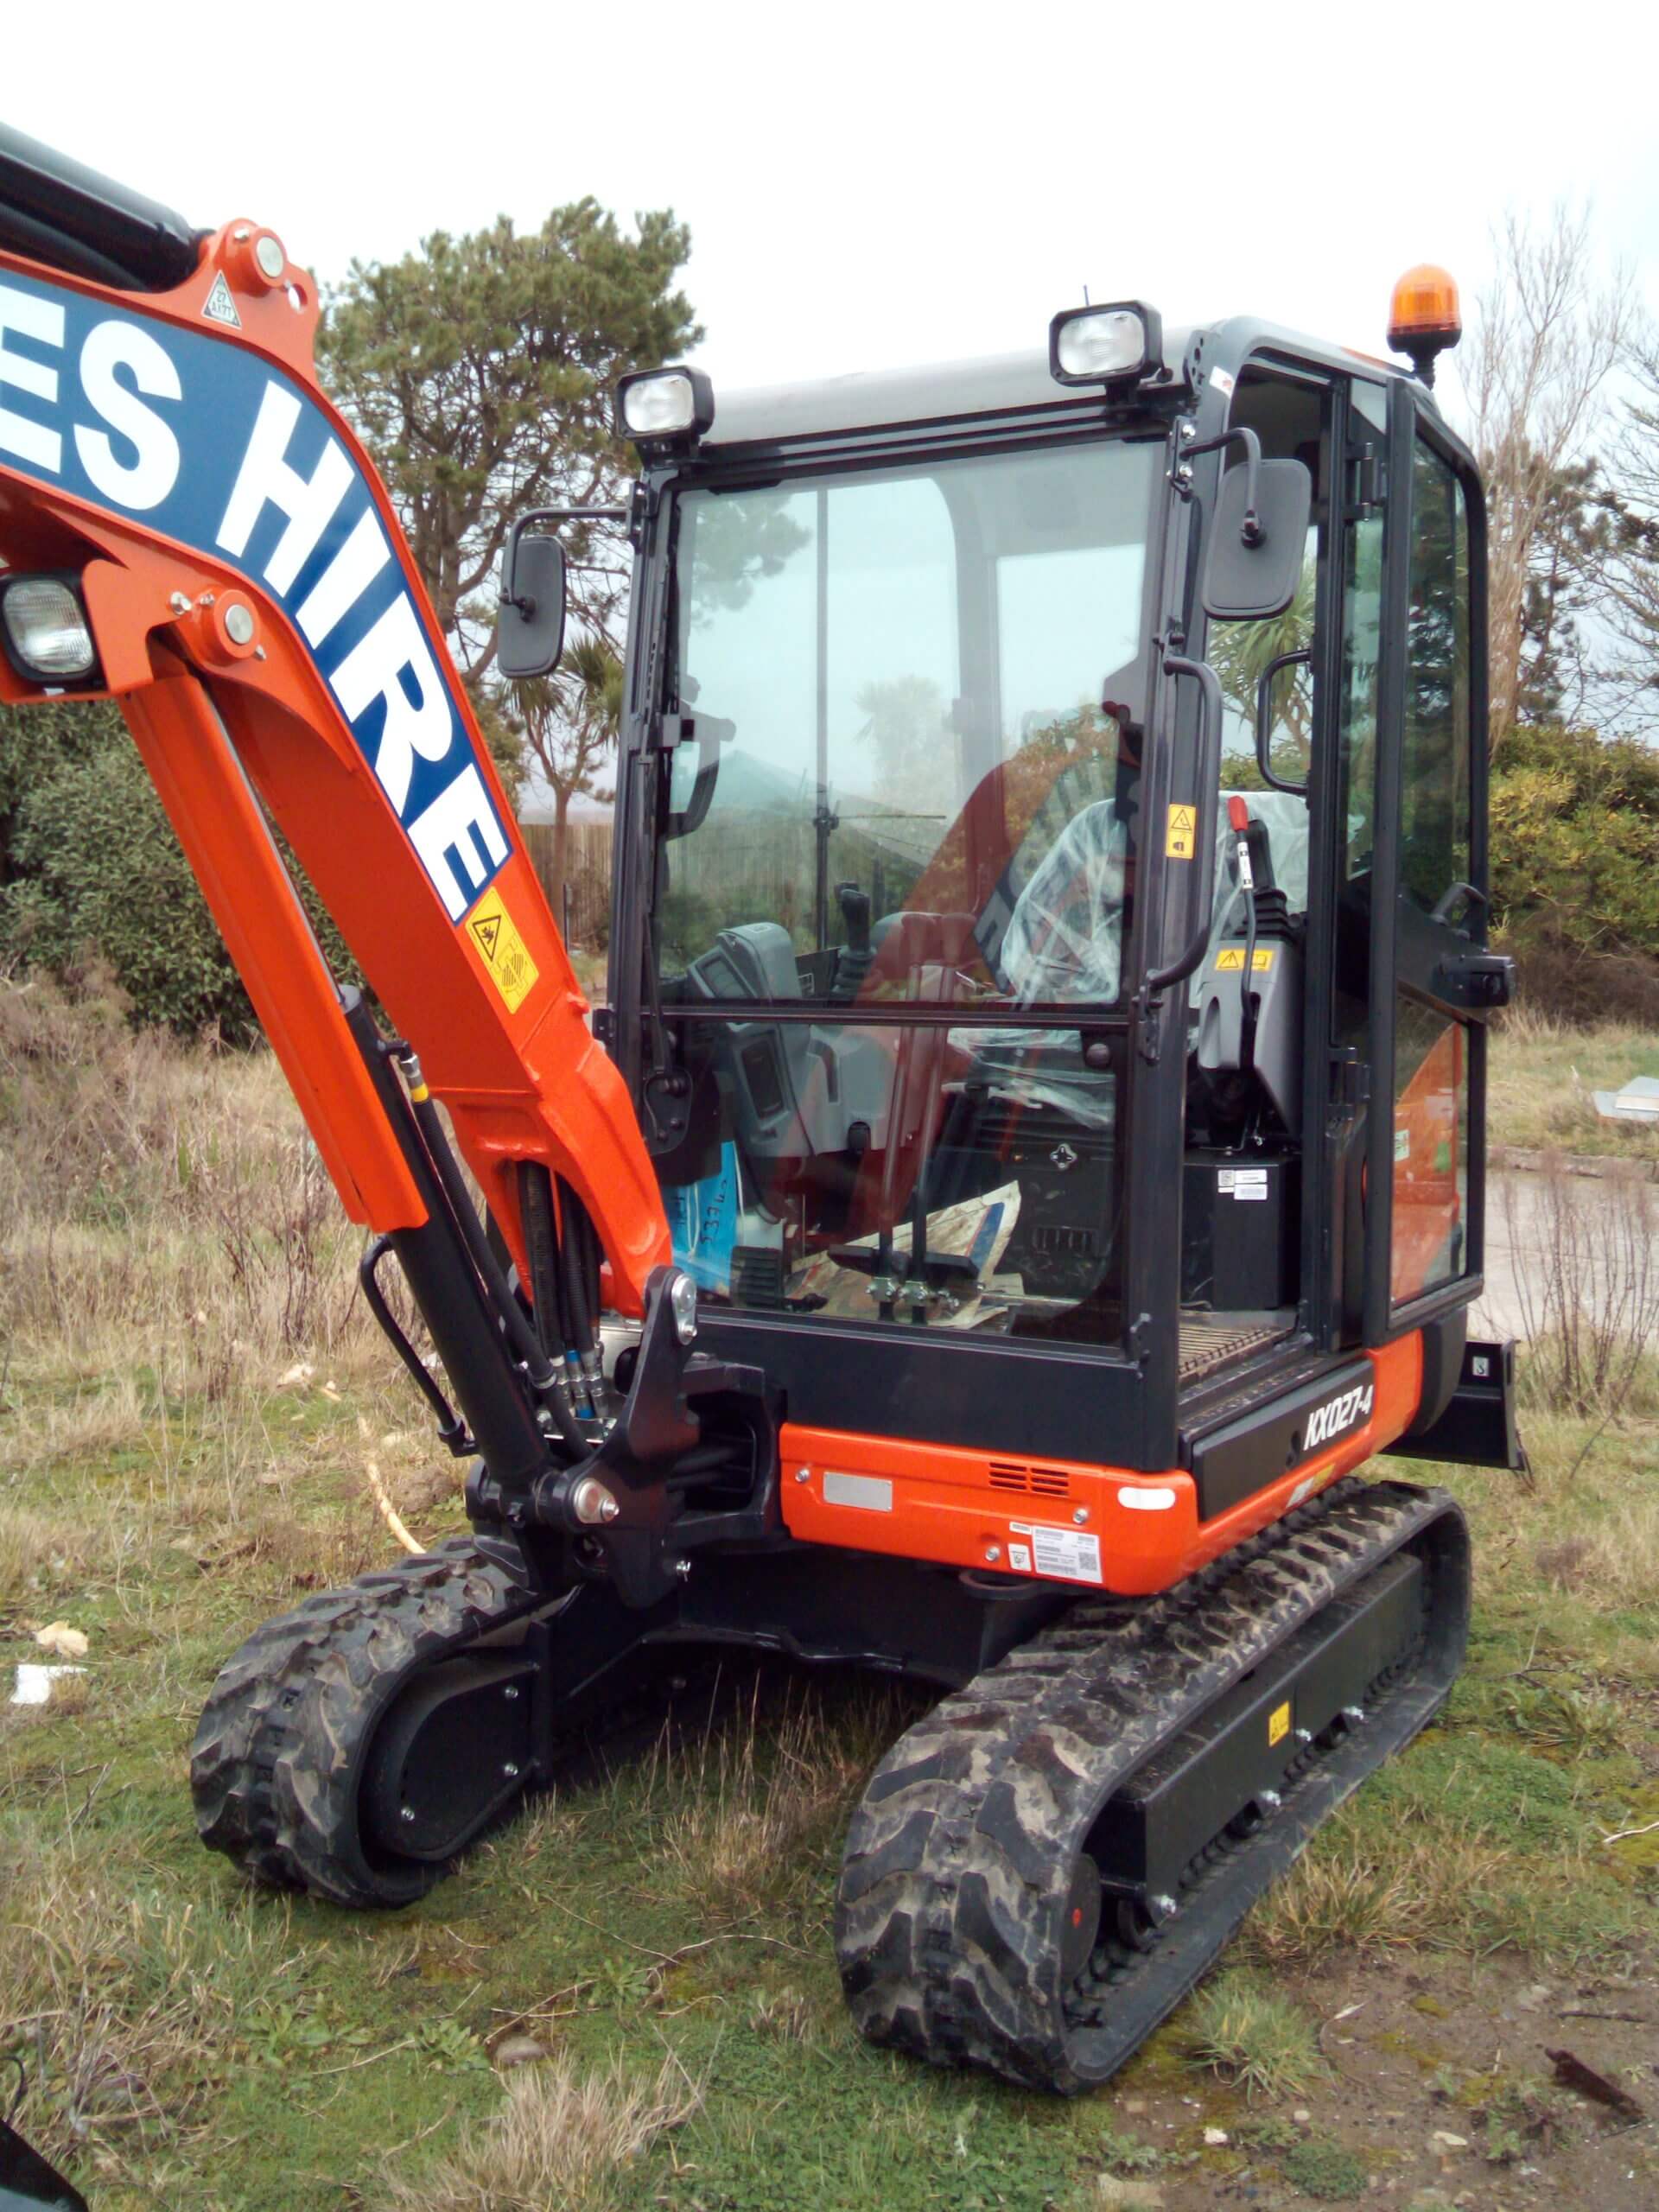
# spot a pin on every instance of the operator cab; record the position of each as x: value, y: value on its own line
x: 1001, y: 859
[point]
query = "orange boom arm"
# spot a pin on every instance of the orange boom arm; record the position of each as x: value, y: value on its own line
x: 259, y: 622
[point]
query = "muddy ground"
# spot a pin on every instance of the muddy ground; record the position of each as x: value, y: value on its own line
x: 1441, y: 2089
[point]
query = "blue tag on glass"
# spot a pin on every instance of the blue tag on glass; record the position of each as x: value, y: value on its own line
x: 702, y: 1222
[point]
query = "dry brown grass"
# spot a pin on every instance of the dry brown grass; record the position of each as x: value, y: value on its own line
x: 117, y: 2006
x: 760, y: 1803
x: 1373, y: 1895
x: 563, y: 2141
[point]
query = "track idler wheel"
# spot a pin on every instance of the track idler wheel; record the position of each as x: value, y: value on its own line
x: 355, y: 1746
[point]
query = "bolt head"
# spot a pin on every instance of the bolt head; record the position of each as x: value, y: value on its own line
x: 1166, y: 1907
x: 1080, y: 1514
x: 1353, y: 1714
x: 512, y: 1692
x: 179, y: 603
x: 1271, y: 1799
x: 803, y: 1474
x: 680, y: 1568
x: 408, y: 1813
x: 269, y: 254
x: 993, y: 1553
x: 683, y: 1304
x: 510, y: 1770
x: 591, y: 1502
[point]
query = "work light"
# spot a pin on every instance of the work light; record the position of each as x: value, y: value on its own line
x: 1105, y: 345
x: 47, y: 639
x: 661, y: 404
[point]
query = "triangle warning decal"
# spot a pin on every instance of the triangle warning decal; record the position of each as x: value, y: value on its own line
x: 219, y: 307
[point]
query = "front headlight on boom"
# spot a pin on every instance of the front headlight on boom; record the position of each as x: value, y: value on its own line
x: 47, y: 638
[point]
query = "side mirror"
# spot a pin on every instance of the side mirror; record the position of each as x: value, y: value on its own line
x: 530, y: 628
x: 1255, y: 558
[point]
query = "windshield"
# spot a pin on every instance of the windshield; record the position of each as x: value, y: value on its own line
x: 912, y: 694
x: 910, y: 709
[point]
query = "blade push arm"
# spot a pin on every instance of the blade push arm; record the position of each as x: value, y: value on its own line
x: 261, y: 624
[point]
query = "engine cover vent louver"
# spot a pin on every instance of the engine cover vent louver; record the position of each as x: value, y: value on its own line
x: 1036, y: 1482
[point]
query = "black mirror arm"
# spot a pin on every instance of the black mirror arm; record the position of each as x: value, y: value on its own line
x: 555, y: 515
x: 1250, y: 529
x: 1302, y: 656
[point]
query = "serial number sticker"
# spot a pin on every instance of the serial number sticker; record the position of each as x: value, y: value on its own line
x: 1230, y: 961
x: 1061, y: 1554
x: 510, y: 968
x: 1182, y: 841
x: 1278, y: 1723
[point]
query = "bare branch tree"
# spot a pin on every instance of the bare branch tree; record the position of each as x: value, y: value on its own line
x: 1549, y: 334
x: 1631, y: 574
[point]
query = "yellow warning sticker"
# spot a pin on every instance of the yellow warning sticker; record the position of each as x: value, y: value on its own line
x: 1230, y: 960
x: 1279, y: 1723
x: 510, y: 968
x: 1182, y: 840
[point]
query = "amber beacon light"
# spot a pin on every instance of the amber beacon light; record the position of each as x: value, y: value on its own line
x: 1424, y: 318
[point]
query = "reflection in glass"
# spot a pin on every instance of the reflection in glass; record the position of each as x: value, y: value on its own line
x: 1431, y: 1150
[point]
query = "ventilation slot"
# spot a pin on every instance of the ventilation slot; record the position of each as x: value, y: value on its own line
x: 1036, y: 1482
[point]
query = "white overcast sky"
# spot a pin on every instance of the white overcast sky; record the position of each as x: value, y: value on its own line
x: 873, y: 185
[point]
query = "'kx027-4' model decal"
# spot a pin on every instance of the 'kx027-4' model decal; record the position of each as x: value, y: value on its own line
x: 208, y: 444
x: 1335, y: 1417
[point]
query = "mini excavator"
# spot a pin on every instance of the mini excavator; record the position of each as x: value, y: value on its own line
x: 1032, y: 1153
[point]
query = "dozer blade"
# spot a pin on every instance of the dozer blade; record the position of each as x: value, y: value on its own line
x: 1043, y: 1867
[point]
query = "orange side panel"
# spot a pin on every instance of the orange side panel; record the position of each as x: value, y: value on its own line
x: 961, y: 1509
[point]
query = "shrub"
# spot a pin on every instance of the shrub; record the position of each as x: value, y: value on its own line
x: 91, y: 873
x: 101, y: 870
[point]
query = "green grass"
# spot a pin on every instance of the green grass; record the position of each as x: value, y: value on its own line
x: 662, y: 1932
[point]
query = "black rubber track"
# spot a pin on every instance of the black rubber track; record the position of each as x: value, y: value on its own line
x: 279, y: 1751
x: 960, y: 1860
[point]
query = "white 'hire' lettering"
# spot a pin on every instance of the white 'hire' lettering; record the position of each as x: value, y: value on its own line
x: 457, y: 835
x: 266, y: 479
x: 1341, y: 1413
x: 374, y: 668
x: 459, y: 815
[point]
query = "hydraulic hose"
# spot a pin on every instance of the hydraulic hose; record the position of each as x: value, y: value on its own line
x: 527, y: 1344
